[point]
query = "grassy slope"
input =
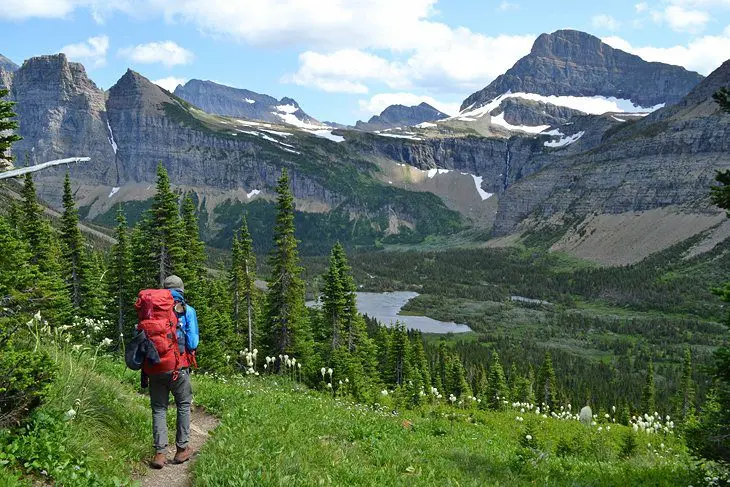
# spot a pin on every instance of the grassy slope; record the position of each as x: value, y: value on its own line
x: 275, y: 433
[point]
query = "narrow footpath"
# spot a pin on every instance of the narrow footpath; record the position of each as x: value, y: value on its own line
x: 201, y: 423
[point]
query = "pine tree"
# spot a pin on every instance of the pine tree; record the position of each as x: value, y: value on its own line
x: 687, y: 387
x: 165, y: 231
x: 547, y: 383
x: 74, y: 252
x: 496, y: 384
x: 648, y: 397
x: 333, y: 299
x: 193, y: 258
x: 456, y: 382
x: 45, y: 254
x: 120, y: 279
x: 419, y: 359
x: 7, y: 130
x: 242, y: 279
x: 399, y: 356
x: 286, y: 315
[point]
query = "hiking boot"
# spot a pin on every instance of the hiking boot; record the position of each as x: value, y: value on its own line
x: 182, y: 455
x: 159, y: 460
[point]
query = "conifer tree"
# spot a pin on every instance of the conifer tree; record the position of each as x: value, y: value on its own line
x: 163, y: 229
x: 399, y: 355
x: 496, y: 384
x: 74, y: 252
x: 419, y: 359
x: 193, y: 258
x: 286, y: 315
x: 687, y: 387
x: 120, y: 279
x: 45, y: 254
x: 7, y: 130
x: 333, y: 299
x: 648, y: 396
x: 547, y: 383
x: 456, y: 382
x: 440, y: 381
x: 243, y: 283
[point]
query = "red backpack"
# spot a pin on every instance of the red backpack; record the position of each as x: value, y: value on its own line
x: 158, y: 320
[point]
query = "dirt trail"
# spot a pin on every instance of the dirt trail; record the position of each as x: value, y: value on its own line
x: 201, y: 424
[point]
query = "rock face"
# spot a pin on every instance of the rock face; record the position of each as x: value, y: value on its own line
x: 401, y: 116
x: 235, y: 102
x: 7, y: 65
x: 573, y: 63
x: 61, y: 113
x: 667, y: 159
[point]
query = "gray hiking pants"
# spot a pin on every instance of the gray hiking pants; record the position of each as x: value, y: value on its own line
x: 160, y: 388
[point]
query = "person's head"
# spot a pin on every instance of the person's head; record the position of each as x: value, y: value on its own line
x: 174, y: 282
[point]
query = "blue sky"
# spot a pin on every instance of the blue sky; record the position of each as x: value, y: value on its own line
x: 344, y: 60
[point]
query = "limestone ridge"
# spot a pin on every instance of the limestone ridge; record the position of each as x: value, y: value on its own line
x: 401, y: 116
x: 61, y: 113
x: 667, y: 159
x: 236, y: 102
x: 7, y: 65
x: 573, y: 63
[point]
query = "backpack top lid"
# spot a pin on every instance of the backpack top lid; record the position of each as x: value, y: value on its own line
x: 154, y: 304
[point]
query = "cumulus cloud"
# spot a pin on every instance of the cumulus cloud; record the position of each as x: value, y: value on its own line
x: 681, y: 19
x: 91, y: 52
x: 377, y: 103
x: 167, y: 53
x: 460, y: 61
x: 505, y: 6
x: 170, y: 83
x: 702, y: 54
x: 345, y: 71
x: 641, y: 7
x: 605, y: 21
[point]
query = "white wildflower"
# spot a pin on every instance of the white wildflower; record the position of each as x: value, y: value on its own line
x: 528, y: 437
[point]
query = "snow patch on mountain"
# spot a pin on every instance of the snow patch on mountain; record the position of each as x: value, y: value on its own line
x: 478, y: 182
x: 249, y: 100
x: 253, y: 193
x: 111, y: 137
x: 499, y: 120
x: 564, y: 140
x: 327, y: 134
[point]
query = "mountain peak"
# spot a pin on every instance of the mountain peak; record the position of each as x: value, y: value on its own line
x: 577, y: 64
x: 7, y: 65
x: 401, y: 115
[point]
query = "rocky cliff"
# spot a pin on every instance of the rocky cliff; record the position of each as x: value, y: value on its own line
x: 7, y: 65
x: 235, y: 102
x: 573, y: 63
x: 401, y: 116
x: 667, y: 159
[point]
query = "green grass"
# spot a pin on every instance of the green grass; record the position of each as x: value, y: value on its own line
x: 276, y: 433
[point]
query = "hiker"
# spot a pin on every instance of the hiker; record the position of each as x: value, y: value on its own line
x: 171, y: 325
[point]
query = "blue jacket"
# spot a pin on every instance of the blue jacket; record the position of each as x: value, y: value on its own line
x: 187, y: 330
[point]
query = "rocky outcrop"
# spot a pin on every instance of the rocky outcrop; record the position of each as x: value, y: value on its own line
x: 61, y: 113
x: 666, y: 159
x: 573, y: 63
x: 236, y: 102
x: 7, y: 65
x: 401, y: 116
x: 518, y: 111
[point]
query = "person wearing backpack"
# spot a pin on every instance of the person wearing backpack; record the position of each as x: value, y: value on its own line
x: 171, y: 325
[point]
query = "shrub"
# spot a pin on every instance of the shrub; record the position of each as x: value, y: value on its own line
x: 25, y: 377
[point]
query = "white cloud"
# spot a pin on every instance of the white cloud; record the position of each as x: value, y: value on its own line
x: 459, y: 62
x: 684, y: 20
x: 166, y: 53
x: 641, y: 7
x: 604, y: 21
x: 170, y: 83
x: 345, y: 71
x: 377, y: 103
x: 505, y: 6
x: 91, y: 52
x: 24, y: 9
x: 703, y: 54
